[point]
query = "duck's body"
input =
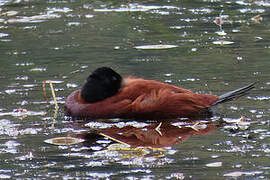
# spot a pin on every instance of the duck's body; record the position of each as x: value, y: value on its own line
x: 140, y: 99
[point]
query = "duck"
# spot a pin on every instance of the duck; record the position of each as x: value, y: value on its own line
x: 107, y: 95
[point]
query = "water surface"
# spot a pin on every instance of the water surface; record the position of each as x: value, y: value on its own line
x: 64, y: 41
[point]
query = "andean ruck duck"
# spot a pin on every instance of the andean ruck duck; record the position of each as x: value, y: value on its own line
x: 106, y: 94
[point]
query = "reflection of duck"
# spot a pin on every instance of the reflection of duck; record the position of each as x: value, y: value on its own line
x: 154, y: 135
x: 107, y: 95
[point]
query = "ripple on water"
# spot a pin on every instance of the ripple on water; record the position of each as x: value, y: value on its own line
x: 241, y: 173
x: 5, y: 176
x: 102, y: 125
x: 135, y: 8
x: 61, y: 10
x: 260, y: 98
x: 38, y: 69
x: 10, y: 146
x: 33, y: 19
x: 8, y: 128
x: 155, y: 47
x: 3, y: 35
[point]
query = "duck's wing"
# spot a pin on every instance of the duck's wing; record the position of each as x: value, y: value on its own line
x: 167, y: 104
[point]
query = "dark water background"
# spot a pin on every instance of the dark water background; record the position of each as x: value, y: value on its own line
x: 65, y: 40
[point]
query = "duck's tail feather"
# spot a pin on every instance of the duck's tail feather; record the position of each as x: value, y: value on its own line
x: 234, y: 94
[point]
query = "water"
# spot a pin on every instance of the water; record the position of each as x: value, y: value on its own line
x: 64, y: 41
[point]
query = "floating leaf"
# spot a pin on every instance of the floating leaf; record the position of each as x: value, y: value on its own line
x: 158, y: 46
x: 222, y: 42
x: 60, y: 141
x: 214, y: 164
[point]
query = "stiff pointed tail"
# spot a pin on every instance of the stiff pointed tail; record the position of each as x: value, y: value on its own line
x: 234, y: 94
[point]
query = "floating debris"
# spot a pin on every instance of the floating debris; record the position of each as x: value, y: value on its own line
x: 38, y: 69
x: 237, y: 124
x: 198, y: 126
x: 9, y: 13
x: 234, y: 174
x: 222, y: 42
x: 240, y: 173
x: 53, y: 81
x: 214, y: 164
x: 159, y: 46
x: 257, y: 19
x: 219, y: 21
x: 54, y: 97
x: 62, y: 141
x: 233, y: 121
x: 119, y: 146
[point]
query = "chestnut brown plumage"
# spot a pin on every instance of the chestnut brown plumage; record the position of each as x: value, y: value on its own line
x: 106, y: 94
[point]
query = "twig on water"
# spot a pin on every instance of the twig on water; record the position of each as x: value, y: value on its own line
x: 54, y: 98
x: 53, y: 94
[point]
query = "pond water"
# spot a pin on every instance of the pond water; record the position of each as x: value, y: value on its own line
x: 206, y: 46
